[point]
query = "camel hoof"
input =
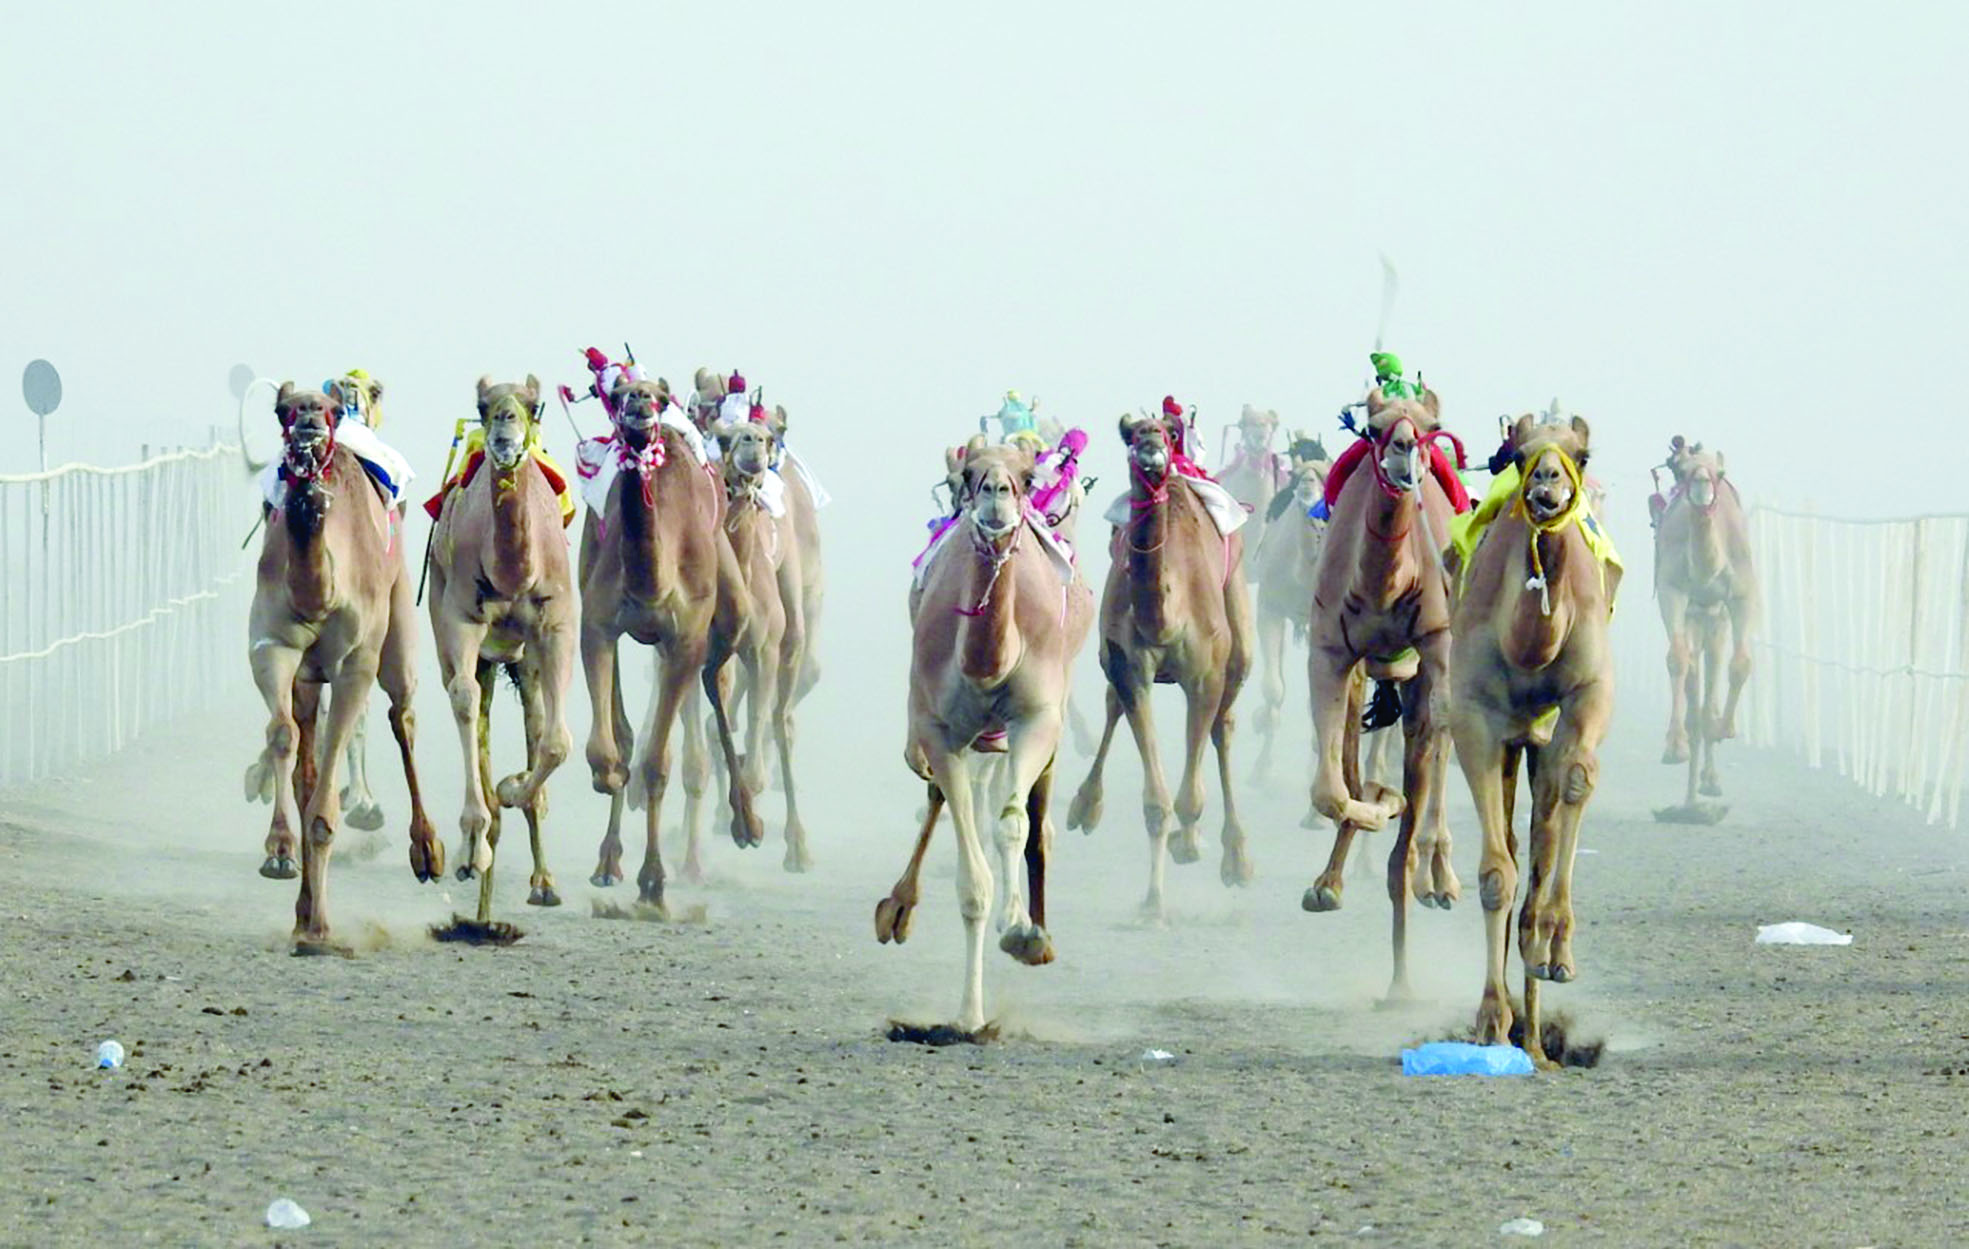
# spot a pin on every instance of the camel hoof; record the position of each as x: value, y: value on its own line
x: 1152, y: 914
x: 466, y: 871
x: 1183, y: 847
x: 320, y: 947
x: 1675, y: 754
x: 605, y: 879
x: 797, y: 861
x: 892, y: 920
x: 1236, y: 871
x: 543, y: 895
x: 279, y: 867
x: 1320, y: 898
x: 367, y: 816
x: 1029, y: 943
x: 692, y: 873
x: 748, y: 831
x: 1710, y: 789
x: 427, y: 861
x: 1085, y: 812
x: 511, y: 791
x: 650, y: 895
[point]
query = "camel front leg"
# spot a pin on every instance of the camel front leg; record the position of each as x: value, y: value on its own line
x: 458, y: 663
x: 797, y: 859
x: 1674, y: 605
x: 974, y: 883
x: 1425, y: 707
x: 396, y: 672
x: 273, y: 671
x: 1744, y: 610
x: 697, y: 781
x: 349, y: 696
x: 1202, y: 702
x: 747, y: 831
x: 678, y: 669
x: 1156, y: 812
x: 488, y: 674
x: 1330, y: 673
x: 1033, y: 743
x: 1085, y: 810
x: 894, y: 913
x: 544, y: 670
x: 359, y: 806
x: 1039, y: 845
x: 1235, y: 870
x: 599, y: 662
x: 540, y: 712
x: 1480, y: 752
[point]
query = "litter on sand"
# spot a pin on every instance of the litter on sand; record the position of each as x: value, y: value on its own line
x: 285, y: 1214
x: 1461, y: 1058
x: 1798, y: 933
x: 1158, y: 1056
x: 1521, y: 1227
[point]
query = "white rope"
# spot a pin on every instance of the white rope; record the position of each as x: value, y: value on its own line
x: 79, y: 469
x: 150, y: 618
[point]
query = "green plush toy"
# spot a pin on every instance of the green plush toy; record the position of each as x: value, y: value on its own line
x: 1388, y: 376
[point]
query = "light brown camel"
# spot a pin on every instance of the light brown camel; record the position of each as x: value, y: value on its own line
x: 803, y: 510
x: 502, y: 597
x: 1176, y: 610
x: 1707, y: 589
x: 773, y: 651
x: 1382, y: 604
x: 1532, y: 679
x: 655, y: 565
x: 331, y: 605
x: 996, y: 629
x: 1287, y: 560
x: 1254, y: 473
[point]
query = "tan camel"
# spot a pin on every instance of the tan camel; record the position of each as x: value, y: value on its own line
x: 655, y: 565
x: 502, y: 597
x: 1176, y: 610
x: 803, y: 510
x: 331, y: 606
x: 1707, y: 589
x: 773, y: 651
x: 995, y: 634
x: 1254, y: 473
x: 1382, y: 605
x: 1532, y: 679
x: 1287, y: 561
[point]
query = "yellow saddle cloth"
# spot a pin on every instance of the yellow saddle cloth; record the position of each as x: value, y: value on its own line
x: 1467, y: 530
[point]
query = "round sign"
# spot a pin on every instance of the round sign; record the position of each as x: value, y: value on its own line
x: 239, y: 379
x: 41, y: 386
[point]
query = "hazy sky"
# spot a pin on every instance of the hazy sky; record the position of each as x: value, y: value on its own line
x: 1740, y: 221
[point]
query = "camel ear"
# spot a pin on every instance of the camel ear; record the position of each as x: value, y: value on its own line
x: 1521, y: 429
x: 1431, y: 404
x: 1585, y: 432
x: 375, y: 391
x: 485, y: 394
x: 1375, y: 402
x: 533, y: 390
x: 778, y: 422
x: 1719, y: 463
x: 975, y: 444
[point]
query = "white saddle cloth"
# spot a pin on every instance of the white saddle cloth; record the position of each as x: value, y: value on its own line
x: 1224, y: 509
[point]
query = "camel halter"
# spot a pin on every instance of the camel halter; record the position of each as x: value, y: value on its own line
x: 1565, y: 516
x: 313, y: 460
x: 646, y: 459
x: 506, y: 480
x: 983, y: 546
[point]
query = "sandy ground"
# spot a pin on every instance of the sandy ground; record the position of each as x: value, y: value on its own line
x: 723, y: 1079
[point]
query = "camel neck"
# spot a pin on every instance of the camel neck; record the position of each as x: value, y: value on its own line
x: 310, y: 569
x: 1708, y: 555
x: 1147, y: 535
x: 510, y: 565
x: 1386, y: 569
x: 1536, y: 635
x: 987, y: 605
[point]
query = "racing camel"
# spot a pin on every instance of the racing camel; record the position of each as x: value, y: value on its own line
x: 654, y: 565
x: 1707, y: 590
x: 331, y: 606
x: 997, y: 616
x: 1532, y: 681
x: 1176, y: 610
x: 502, y: 598
x: 1382, y: 604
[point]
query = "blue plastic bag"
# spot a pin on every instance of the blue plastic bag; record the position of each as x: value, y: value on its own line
x: 1460, y: 1058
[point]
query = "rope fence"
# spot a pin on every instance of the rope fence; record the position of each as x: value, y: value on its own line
x: 1863, y: 657
x: 121, y: 596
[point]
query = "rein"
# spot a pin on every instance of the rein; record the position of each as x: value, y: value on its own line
x: 998, y: 560
x: 1138, y: 507
x: 646, y: 459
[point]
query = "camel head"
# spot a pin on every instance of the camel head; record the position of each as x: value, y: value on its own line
x: 1255, y: 429
x: 1149, y: 440
x: 1551, y: 458
x: 359, y: 396
x: 307, y: 430
x: 508, y: 414
x: 639, y: 404
x: 709, y: 388
x: 747, y: 447
x: 1398, y: 427
x: 1698, y: 471
x: 992, y: 486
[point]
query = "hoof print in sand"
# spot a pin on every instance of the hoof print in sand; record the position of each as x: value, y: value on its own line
x: 939, y: 1035
x: 472, y: 932
x: 1692, y: 813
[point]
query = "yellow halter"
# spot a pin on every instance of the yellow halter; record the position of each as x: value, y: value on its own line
x: 1552, y: 524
